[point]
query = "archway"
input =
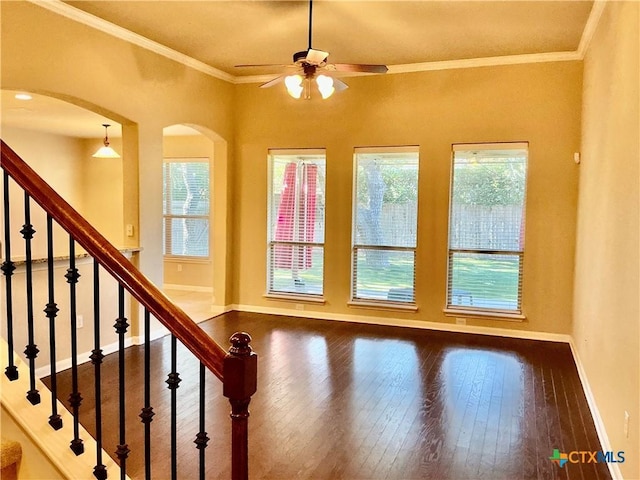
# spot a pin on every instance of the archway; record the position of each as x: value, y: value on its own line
x: 195, y: 218
x: 58, y: 135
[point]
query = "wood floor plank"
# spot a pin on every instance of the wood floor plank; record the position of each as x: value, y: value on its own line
x: 350, y: 401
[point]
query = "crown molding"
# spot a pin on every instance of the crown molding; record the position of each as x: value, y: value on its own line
x: 486, y: 62
x: 80, y: 16
x: 73, y: 13
x: 591, y: 26
x: 451, y: 64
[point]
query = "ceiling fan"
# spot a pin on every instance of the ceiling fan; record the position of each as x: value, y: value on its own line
x: 311, y: 64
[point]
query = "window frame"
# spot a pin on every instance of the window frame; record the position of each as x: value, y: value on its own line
x: 363, y: 301
x: 273, y: 243
x: 474, y: 310
x: 167, y: 237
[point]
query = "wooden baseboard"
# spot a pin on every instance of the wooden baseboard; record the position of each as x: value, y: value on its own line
x: 605, y: 444
x: 398, y: 322
x: 187, y: 288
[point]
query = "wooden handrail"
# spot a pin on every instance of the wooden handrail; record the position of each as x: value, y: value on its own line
x: 109, y: 257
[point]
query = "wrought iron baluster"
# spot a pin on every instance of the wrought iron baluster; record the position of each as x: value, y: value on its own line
x: 121, y: 325
x: 31, y: 351
x: 51, y: 311
x: 147, y: 412
x: 75, y: 399
x: 100, y: 470
x: 201, y: 438
x: 7, y: 269
x: 173, y: 383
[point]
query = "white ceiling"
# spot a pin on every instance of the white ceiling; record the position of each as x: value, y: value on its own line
x: 215, y: 35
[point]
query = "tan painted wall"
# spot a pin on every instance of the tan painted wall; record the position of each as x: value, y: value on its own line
x: 538, y: 103
x: 102, y: 190
x: 58, y: 160
x: 606, y: 311
x: 92, y: 186
x: 139, y: 89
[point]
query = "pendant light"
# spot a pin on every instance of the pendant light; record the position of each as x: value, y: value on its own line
x: 106, y: 151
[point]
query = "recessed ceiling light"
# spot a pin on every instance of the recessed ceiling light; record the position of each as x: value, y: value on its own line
x: 23, y: 96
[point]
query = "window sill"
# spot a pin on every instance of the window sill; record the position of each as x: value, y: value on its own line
x: 18, y: 261
x: 294, y: 298
x: 411, y: 307
x: 461, y: 312
x: 194, y: 260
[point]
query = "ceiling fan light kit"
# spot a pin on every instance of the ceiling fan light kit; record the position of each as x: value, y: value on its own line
x: 297, y: 85
x: 294, y: 85
x: 308, y: 64
x: 325, y: 85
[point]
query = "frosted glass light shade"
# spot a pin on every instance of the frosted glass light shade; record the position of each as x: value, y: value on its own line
x: 106, y: 152
x: 325, y: 85
x: 294, y: 85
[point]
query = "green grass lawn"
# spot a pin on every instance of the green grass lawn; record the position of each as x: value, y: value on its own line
x: 492, y: 277
x: 487, y: 278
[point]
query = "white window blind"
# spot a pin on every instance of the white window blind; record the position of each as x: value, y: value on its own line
x: 296, y: 222
x: 385, y: 221
x: 186, y: 200
x: 486, y: 227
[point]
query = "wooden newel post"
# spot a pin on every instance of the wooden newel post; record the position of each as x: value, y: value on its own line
x: 240, y: 382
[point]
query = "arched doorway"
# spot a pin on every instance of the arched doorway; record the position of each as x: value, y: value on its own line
x: 194, y: 219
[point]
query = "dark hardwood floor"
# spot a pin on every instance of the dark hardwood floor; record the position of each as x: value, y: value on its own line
x: 350, y: 401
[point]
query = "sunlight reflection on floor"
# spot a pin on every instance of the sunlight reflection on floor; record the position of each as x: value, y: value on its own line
x: 198, y: 305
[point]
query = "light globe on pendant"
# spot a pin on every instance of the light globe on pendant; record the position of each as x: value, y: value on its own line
x: 106, y: 151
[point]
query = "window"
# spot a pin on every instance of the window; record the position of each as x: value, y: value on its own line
x: 486, y: 227
x: 185, y: 198
x: 385, y: 216
x: 295, y: 260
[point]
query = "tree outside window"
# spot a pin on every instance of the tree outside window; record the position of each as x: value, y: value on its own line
x: 186, y: 205
x: 385, y: 224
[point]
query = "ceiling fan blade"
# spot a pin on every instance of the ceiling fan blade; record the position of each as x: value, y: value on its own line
x: 273, y: 82
x: 316, y: 57
x: 360, y: 68
x: 339, y: 85
x: 261, y: 65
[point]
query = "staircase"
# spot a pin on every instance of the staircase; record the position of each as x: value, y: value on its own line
x: 21, y: 317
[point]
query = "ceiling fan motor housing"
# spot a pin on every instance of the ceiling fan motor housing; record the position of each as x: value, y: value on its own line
x: 298, y: 56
